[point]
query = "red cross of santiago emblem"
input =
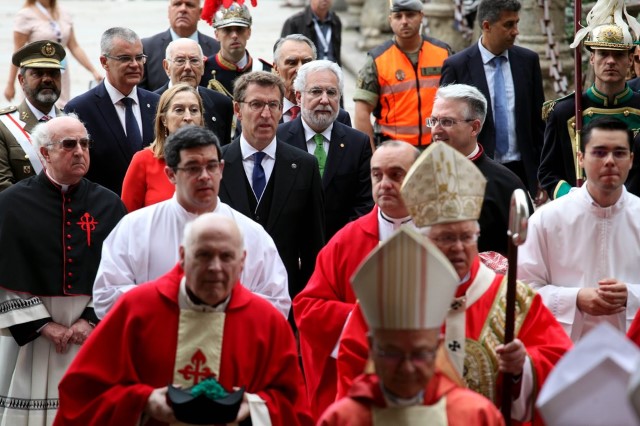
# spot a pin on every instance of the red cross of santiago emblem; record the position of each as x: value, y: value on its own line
x: 197, y: 370
x: 87, y: 223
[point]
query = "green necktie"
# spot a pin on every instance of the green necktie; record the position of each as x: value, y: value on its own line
x: 319, y: 152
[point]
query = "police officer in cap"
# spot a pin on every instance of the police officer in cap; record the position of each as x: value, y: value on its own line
x: 39, y: 76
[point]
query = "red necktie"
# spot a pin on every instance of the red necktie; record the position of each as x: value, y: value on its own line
x: 44, y: 118
x: 294, y: 110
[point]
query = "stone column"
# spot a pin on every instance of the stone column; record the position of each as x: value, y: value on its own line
x: 374, y: 24
x: 556, y: 58
x: 441, y: 24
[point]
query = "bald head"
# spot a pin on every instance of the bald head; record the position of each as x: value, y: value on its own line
x: 184, y: 62
x: 389, y: 165
x: 63, y: 145
x: 212, y: 255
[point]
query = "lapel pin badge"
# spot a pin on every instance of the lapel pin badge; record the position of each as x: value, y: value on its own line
x: 341, y: 145
x: 294, y: 166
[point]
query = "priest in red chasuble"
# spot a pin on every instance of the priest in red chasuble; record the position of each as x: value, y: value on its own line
x: 444, y: 193
x: 195, y: 322
x: 405, y: 288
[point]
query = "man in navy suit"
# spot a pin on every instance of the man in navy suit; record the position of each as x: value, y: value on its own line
x: 118, y: 115
x: 185, y: 64
x: 273, y: 183
x: 183, y: 23
x: 519, y: 147
x: 343, y: 153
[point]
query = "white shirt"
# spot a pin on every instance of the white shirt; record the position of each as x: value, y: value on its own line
x: 37, y: 113
x: 309, y: 134
x: 286, y: 108
x: 572, y: 243
x: 269, y: 160
x: 144, y: 246
x: 513, y: 154
x: 116, y: 99
x: 387, y: 226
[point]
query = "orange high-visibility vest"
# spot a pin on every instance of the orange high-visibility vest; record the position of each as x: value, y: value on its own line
x: 407, y: 93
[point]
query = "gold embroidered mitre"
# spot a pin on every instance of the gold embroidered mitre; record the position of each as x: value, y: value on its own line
x: 406, y: 283
x: 443, y: 186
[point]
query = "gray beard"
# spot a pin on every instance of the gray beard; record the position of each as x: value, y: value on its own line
x: 318, y: 121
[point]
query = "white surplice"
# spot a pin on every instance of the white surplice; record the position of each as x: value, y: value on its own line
x: 144, y: 246
x: 30, y: 374
x: 573, y: 243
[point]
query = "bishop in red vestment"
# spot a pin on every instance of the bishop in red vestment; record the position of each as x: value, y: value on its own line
x: 463, y: 406
x: 121, y: 374
x: 474, y: 333
x: 401, y: 287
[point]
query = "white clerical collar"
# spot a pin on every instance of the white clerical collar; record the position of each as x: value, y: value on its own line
x: 175, y: 36
x: 394, y: 401
x: 387, y: 225
x: 247, y: 150
x: 185, y: 302
x: 38, y: 114
x: 63, y: 187
x: 309, y: 133
x: 475, y: 152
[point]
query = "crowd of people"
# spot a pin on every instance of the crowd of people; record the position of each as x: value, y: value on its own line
x: 204, y: 237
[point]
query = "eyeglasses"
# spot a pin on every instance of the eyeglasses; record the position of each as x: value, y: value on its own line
x: 195, y: 171
x: 445, y: 122
x: 194, y: 62
x: 396, y: 357
x: 127, y: 59
x: 450, y: 240
x: 69, y: 144
x: 316, y: 92
x: 256, y: 105
x: 618, y: 154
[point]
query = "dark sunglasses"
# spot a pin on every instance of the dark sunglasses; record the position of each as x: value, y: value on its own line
x: 70, y: 144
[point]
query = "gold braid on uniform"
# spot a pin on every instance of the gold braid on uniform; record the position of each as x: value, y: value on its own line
x: 217, y: 86
x: 481, y: 361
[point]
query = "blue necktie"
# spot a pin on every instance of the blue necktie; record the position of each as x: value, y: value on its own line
x: 259, y: 180
x: 131, y: 124
x: 500, y: 113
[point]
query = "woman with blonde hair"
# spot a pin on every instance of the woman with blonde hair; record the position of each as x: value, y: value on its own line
x: 145, y: 182
x: 46, y: 20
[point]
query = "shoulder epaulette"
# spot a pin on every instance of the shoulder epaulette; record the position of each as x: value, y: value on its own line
x: 547, y: 106
x: 8, y: 110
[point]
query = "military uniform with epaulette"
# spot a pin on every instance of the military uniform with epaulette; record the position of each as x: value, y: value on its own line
x: 15, y: 165
x: 219, y: 73
x: 16, y: 162
x: 557, y: 172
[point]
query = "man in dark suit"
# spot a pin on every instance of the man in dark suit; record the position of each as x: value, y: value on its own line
x: 183, y: 23
x: 185, y: 64
x: 321, y: 25
x: 459, y: 110
x: 118, y: 115
x: 273, y: 183
x: 518, y: 142
x: 343, y: 153
x: 289, y: 54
